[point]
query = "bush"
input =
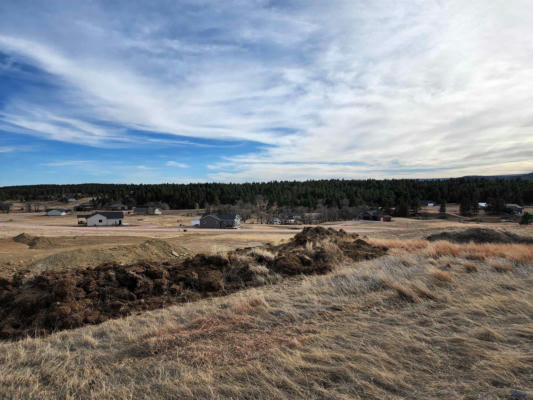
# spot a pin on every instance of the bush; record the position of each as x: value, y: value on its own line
x: 526, y: 219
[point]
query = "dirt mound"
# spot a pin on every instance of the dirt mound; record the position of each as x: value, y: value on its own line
x: 35, y: 242
x: 335, y: 245
x: 151, y: 250
x: 57, y: 300
x: 23, y: 238
x: 480, y: 235
x: 319, y: 233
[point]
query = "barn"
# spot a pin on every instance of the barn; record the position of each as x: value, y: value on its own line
x: 220, y: 221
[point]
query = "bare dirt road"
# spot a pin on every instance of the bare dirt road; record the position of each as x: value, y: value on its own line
x: 124, y: 229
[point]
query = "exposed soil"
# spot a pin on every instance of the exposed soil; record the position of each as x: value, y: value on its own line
x: 480, y: 235
x: 35, y: 242
x: 56, y: 300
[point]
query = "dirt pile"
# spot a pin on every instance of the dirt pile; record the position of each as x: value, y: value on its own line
x: 335, y: 245
x: 35, y: 242
x: 480, y: 235
x: 56, y: 300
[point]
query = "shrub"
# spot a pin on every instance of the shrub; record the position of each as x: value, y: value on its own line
x: 526, y: 219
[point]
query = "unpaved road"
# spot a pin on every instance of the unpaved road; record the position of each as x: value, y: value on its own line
x: 9, y: 227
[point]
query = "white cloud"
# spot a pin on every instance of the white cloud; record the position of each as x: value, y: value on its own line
x: 176, y: 164
x: 68, y: 163
x: 382, y: 88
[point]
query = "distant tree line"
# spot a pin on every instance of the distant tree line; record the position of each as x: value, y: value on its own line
x: 404, y: 195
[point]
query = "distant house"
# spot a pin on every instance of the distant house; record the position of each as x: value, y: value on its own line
x: 514, y: 208
x: 118, y: 206
x: 371, y: 215
x: 220, y: 221
x: 57, y: 212
x: 292, y: 220
x: 103, y: 218
x: 88, y: 206
x: 147, y: 211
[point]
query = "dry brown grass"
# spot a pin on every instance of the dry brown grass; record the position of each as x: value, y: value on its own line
x: 470, y: 268
x: 404, y: 292
x: 521, y: 253
x: 503, y: 267
x: 382, y: 329
x: 441, y: 276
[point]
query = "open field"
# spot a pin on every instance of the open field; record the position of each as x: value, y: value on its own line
x: 83, y: 246
x: 427, y: 320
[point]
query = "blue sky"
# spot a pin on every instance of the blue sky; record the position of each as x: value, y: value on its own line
x: 189, y: 91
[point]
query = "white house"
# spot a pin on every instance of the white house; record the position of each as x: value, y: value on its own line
x: 57, y: 212
x: 104, y: 218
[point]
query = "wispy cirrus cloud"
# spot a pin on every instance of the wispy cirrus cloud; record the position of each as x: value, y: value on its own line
x: 176, y: 164
x: 68, y: 163
x: 337, y: 89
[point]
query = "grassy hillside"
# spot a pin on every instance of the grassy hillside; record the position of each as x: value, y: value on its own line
x: 429, y: 320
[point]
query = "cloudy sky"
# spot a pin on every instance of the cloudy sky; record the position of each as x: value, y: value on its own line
x: 253, y: 90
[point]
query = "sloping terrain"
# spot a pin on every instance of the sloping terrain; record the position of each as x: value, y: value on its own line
x: 150, y: 250
x: 481, y: 235
x: 65, y: 299
x: 404, y: 326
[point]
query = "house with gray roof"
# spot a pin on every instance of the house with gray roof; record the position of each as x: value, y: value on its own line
x: 220, y: 221
x: 103, y: 218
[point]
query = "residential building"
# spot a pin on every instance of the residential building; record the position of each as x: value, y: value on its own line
x: 220, y: 221
x: 147, y: 211
x: 57, y: 212
x: 104, y: 218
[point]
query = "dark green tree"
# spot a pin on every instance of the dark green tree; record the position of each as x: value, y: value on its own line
x: 402, y: 209
x: 442, y: 208
x: 465, y: 206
